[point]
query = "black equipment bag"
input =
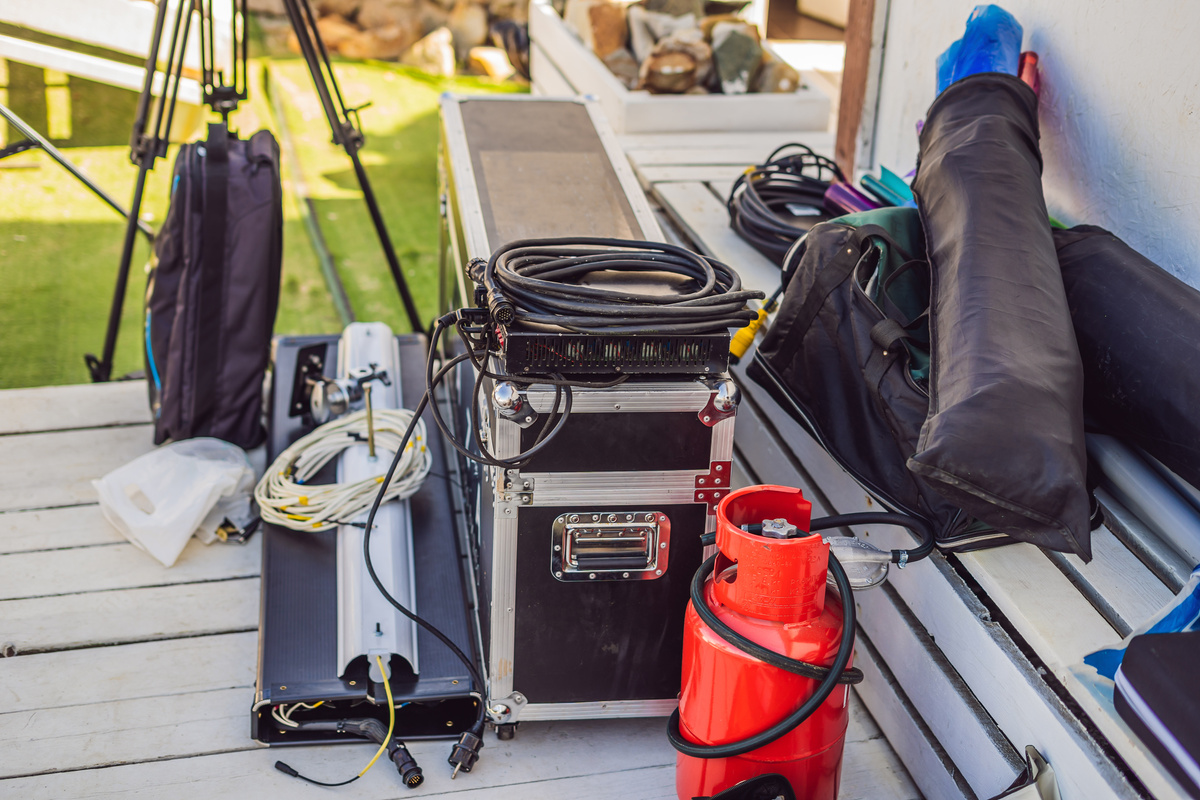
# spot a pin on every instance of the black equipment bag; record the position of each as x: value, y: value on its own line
x: 1004, y: 439
x: 214, y: 289
x: 1138, y: 328
x: 847, y: 356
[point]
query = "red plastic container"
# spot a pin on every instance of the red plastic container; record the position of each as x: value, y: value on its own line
x: 777, y: 600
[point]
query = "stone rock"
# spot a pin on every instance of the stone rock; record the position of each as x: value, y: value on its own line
x: 343, y: 8
x: 677, y: 8
x: 434, y: 53
x: 490, y: 61
x: 431, y: 15
x: 776, y: 76
x: 690, y: 43
x: 273, y: 8
x: 668, y: 73
x: 334, y: 30
x: 647, y: 27
x: 622, y: 64
x: 383, y: 44
x: 738, y: 55
x: 468, y: 24
x: 610, y: 31
x: 708, y: 23
x: 381, y: 13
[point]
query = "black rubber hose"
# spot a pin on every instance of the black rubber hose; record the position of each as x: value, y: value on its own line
x: 833, y: 677
x: 914, y: 524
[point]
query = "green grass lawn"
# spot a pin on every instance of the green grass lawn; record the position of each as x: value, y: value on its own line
x: 60, y: 245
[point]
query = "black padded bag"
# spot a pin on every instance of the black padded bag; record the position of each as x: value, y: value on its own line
x: 836, y: 361
x: 1004, y: 438
x: 1138, y: 328
x: 214, y: 289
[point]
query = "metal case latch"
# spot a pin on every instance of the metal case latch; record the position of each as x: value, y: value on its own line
x: 610, y: 546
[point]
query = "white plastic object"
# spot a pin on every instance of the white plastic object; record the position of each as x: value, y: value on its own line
x: 157, y: 501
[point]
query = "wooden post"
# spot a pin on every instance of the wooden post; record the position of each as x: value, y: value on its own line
x: 860, y: 22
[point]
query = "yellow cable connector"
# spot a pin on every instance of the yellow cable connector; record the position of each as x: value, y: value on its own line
x: 303, y: 500
x: 745, y: 337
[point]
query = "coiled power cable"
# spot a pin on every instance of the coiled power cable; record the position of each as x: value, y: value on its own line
x: 764, y: 200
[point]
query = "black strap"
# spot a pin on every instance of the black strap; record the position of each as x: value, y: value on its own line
x: 839, y: 268
x: 888, y: 335
x: 212, y: 280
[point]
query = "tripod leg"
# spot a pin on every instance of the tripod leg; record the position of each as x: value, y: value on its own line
x: 101, y: 370
x: 389, y: 252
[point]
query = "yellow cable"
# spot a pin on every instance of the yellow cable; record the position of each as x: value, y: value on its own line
x: 387, y: 687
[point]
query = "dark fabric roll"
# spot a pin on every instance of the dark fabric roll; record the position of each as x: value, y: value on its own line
x: 1138, y: 328
x: 1004, y: 437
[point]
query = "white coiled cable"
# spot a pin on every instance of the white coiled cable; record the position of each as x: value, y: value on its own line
x: 285, y: 498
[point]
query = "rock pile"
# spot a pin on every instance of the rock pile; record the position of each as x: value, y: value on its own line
x: 487, y: 37
x: 674, y: 47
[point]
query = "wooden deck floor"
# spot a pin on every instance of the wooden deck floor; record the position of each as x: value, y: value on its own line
x: 127, y: 679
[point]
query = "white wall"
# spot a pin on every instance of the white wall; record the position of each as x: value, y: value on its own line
x: 1120, y: 110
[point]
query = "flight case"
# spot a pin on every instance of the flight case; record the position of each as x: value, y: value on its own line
x: 584, y: 558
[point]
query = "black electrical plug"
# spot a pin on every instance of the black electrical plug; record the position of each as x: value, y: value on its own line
x: 466, y: 750
x: 501, y: 308
x: 410, y: 773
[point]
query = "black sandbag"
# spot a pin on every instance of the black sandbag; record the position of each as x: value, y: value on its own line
x: 1138, y: 328
x: 1004, y: 437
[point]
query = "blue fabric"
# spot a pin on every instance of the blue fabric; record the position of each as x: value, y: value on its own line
x: 992, y: 43
x: 1181, y: 615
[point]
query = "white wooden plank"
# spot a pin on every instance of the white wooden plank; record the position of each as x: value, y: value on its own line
x: 130, y: 615
x: 1062, y: 627
x: 47, y: 470
x: 930, y: 768
x: 128, y: 671
x: 106, y: 733
x: 706, y: 219
x: 652, y: 174
x: 740, y: 156
x: 1116, y: 582
x: 54, y: 408
x: 541, y: 755
x: 871, y: 770
x: 120, y: 566
x: 1040, y: 602
x: 125, y: 76
x: 122, y: 25
x: 547, y: 80
x: 55, y: 529
x: 760, y: 140
x: 987, y: 761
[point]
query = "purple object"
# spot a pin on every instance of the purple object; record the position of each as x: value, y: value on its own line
x: 842, y: 198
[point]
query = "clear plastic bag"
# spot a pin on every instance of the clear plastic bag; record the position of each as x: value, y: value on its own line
x: 157, y: 501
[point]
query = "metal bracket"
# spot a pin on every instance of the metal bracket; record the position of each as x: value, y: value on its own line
x: 712, y: 487
x: 722, y: 403
x: 507, y: 709
x: 513, y: 488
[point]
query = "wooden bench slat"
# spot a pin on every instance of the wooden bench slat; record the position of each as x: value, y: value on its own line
x: 55, y: 408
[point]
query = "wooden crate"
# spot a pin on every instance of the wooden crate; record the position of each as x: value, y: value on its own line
x: 562, y: 65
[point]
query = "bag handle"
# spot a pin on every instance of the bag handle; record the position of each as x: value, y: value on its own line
x: 839, y: 268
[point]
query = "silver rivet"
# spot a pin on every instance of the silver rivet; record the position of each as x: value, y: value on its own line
x: 662, y: 546
x: 700, y: 481
x: 629, y: 517
x: 558, y: 574
x: 720, y: 467
x: 574, y: 518
x: 649, y: 518
x: 658, y: 572
x: 557, y: 547
x: 700, y: 496
x: 612, y: 517
x: 595, y: 517
x: 591, y: 574
x: 617, y: 406
x: 707, y: 418
x: 624, y: 574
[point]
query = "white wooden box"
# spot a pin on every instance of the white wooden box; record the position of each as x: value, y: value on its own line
x: 563, y: 66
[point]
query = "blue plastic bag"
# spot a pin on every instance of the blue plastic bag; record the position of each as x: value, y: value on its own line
x: 1180, y: 615
x: 992, y: 43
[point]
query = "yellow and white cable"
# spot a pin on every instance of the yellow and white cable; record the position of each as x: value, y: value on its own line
x: 285, y: 497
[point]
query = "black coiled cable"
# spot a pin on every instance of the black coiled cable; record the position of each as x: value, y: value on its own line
x: 535, y: 281
x: 759, y: 203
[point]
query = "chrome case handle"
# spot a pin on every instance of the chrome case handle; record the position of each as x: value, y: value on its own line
x: 610, y: 546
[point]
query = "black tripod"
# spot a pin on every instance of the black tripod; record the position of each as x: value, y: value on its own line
x: 149, y: 144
